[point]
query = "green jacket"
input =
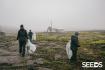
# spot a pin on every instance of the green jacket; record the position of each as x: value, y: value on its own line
x: 22, y: 35
x: 74, y: 41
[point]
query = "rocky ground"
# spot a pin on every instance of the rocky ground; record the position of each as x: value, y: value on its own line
x: 50, y: 55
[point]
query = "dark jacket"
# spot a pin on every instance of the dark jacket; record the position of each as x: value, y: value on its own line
x: 22, y: 35
x: 74, y: 41
x: 30, y: 34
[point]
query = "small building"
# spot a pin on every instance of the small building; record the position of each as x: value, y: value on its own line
x: 50, y: 29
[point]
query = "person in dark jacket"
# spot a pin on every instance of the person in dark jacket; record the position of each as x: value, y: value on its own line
x: 30, y: 34
x: 74, y: 46
x: 22, y: 38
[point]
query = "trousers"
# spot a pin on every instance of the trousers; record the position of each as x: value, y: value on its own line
x: 74, y: 56
x: 22, y: 45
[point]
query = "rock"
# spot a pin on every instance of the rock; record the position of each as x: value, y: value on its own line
x: 10, y: 59
x: 57, y: 56
x: 13, y: 48
x: 4, y: 52
x: 2, y: 45
x: 39, y: 61
x: 30, y: 62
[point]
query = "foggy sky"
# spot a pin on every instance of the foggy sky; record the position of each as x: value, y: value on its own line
x: 65, y: 14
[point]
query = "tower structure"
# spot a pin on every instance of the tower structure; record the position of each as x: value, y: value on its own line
x: 51, y: 25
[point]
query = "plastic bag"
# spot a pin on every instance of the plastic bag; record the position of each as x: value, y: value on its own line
x: 30, y: 48
x: 34, y: 37
x: 68, y: 50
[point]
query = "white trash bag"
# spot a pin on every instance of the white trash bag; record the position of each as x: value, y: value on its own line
x: 68, y: 50
x: 30, y: 48
x: 34, y: 37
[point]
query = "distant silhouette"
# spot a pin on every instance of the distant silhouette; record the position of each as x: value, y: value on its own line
x: 74, y: 46
x: 22, y: 38
x: 30, y: 34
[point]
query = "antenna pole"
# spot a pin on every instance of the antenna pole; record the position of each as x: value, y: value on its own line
x: 51, y: 24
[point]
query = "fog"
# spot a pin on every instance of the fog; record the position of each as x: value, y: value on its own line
x: 64, y: 14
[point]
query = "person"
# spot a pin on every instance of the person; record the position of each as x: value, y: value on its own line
x: 30, y: 34
x: 74, y: 46
x: 22, y: 38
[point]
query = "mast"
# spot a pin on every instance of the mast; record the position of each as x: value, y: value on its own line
x: 51, y: 24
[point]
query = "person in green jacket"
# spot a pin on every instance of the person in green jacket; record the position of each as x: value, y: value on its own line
x: 22, y: 38
x: 30, y: 34
x: 74, y: 46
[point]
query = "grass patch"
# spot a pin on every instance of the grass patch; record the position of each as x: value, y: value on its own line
x: 99, y: 42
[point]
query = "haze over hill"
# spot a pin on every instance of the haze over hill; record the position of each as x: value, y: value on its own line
x: 70, y: 15
x: 15, y: 30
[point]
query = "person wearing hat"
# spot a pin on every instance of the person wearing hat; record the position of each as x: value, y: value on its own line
x: 22, y: 38
x: 74, y: 46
